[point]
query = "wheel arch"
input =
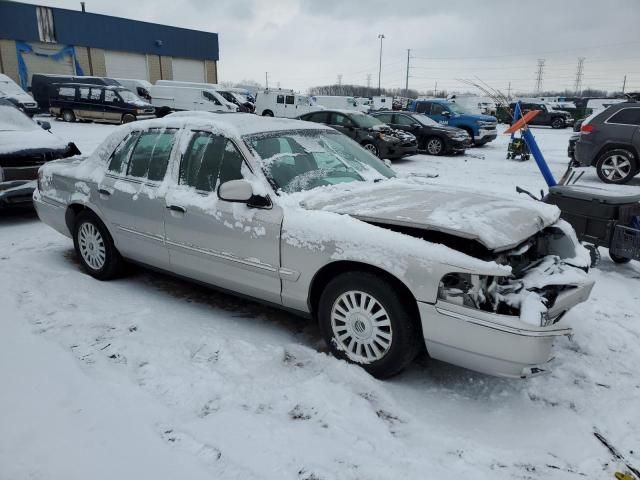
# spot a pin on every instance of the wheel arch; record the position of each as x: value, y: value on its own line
x: 331, y: 270
x: 74, y: 209
x: 614, y: 146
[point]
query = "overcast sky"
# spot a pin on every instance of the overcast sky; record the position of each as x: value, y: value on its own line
x: 302, y: 43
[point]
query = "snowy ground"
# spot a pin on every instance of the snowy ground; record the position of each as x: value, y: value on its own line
x: 152, y: 377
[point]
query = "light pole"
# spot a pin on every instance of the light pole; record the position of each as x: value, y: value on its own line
x: 381, y: 37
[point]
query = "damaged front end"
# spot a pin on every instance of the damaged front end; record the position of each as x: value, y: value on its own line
x: 506, y: 325
x: 546, y: 269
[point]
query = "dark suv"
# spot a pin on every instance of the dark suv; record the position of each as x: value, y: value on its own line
x: 433, y: 137
x: 371, y: 133
x: 548, y: 116
x: 610, y: 141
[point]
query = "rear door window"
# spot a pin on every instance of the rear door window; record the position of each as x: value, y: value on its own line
x: 404, y: 120
x: 318, y: 117
x: 201, y: 162
x: 385, y: 117
x: 290, y: 100
x: 83, y: 93
x: 626, y: 116
x: 151, y: 154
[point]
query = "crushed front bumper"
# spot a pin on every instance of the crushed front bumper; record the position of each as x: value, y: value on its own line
x: 491, y: 343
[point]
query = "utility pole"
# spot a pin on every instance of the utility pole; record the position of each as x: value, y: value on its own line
x: 435, y: 89
x: 509, y: 92
x: 339, y: 79
x: 577, y: 87
x: 381, y: 37
x: 406, y: 83
x: 266, y: 80
x: 624, y: 84
x: 539, y: 74
x: 368, y: 80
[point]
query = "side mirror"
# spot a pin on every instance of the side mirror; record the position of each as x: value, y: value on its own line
x: 235, y: 191
x: 446, y: 113
x: 44, y: 124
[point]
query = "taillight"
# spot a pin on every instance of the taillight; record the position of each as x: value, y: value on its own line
x: 586, y: 129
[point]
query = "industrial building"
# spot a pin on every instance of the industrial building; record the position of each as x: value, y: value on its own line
x: 38, y: 39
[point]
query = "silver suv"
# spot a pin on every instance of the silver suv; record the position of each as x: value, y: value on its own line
x: 610, y: 141
x: 297, y: 215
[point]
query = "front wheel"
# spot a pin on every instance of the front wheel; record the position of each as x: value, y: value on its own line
x: 558, y: 123
x: 364, y: 321
x: 95, y: 248
x: 435, y: 146
x: 616, y: 166
x: 68, y: 116
x: 371, y: 147
x: 128, y: 118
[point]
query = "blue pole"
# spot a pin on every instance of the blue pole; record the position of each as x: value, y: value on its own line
x: 517, y: 113
x: 539, y: 158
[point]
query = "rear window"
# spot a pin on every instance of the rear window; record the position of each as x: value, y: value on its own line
x: 151, y: 154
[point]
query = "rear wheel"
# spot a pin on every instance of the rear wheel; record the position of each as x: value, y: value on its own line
x: 267, y: 113
x: 371, y: 147
x: 68, y: 116
x: 435, y: 146
x: 95, y: 248
x: 616, y: 166
x: 365, y: 321
x: 618, y: 259
x: 128, y: 117
x: 558, y: 122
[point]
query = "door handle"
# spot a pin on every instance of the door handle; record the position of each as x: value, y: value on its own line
x: 177, y: 208
x: 104, y: 192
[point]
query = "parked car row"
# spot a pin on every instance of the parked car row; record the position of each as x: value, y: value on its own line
x: 388, y: 267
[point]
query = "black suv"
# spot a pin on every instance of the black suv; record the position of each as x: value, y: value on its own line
x: 548, y: 116
x: 433, y: 137
x: 371, y: 133
x: 610, y: 141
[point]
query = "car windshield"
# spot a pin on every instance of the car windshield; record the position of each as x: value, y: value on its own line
x: 13, y: 120
x: 304, y: 159
x: 366, y: 121
x: 455, y: 108
x: 424, y: 120
x: 128, y: 96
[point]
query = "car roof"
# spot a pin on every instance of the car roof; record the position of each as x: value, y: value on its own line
x: 338, y: 110
x: 235, y: 123
x: 91, y: 85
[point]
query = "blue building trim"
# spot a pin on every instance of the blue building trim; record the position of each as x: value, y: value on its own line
x: 18, y: 22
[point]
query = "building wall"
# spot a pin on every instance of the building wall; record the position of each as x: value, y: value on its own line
x: 9, y: 59
x: 211, y: 71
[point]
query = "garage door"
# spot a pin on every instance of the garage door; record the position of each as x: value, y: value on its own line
x: 187, y: 70
x: 43, y: 64
x: 126, y: 65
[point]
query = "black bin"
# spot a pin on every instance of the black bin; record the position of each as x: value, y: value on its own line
x: 594, y: 212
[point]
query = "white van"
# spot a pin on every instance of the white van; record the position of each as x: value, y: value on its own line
x: 382, y: 103
x: 284, y: 103
x: 168, y: 98
x: 228, y: 94
x: 139, y: 87
x: 11, y: 91
x: 337, y: 102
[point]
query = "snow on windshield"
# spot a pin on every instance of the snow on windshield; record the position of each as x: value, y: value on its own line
x: 12, y: 120
x: 302, y: 160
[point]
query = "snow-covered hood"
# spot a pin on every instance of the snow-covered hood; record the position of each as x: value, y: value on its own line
x: 30, y: 140
x: 497, y: 223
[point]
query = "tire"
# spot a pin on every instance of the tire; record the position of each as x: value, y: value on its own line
x: 558, y: 122
x: 128, y: 118
x: 267, y: 113
x: 435, y: 146
x: 392, y: 344
x: 618, y: 259
x: 371, y: 148
x: 90, y: 239
x: 68, y: 116
x: 616, y: 166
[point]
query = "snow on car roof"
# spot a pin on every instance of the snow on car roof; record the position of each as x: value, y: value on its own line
x: 240, y: 124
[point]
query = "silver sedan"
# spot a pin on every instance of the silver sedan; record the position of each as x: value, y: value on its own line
x: 297, y: 215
